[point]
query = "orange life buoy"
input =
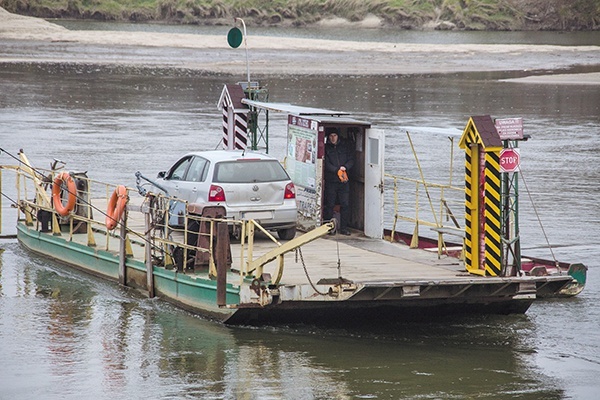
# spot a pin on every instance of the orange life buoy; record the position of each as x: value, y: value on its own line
x: 116, y: 207
x: 64, y: 209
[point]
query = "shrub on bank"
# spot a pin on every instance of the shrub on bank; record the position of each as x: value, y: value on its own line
x: 404, y: 14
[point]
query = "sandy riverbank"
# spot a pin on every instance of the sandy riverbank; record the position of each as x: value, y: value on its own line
x: 26, y: 39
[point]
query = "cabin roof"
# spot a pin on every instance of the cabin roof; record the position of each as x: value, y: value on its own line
x: 487, y: 131
x: 233, y: 95
x: 341, y: 120
x: 481, y: 130
x: 321, y: 115
x: 291, y: 108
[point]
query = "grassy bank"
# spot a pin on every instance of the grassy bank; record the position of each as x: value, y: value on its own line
x: 400, y: 14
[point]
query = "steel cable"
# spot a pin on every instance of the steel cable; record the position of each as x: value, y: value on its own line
x: 539, y: 220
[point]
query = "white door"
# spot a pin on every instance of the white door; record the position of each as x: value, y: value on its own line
x: 374, y: 157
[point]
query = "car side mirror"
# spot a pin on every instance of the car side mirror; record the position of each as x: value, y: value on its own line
x: 161, y: 174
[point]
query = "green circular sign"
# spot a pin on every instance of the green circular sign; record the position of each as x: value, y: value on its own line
x: 234, y: 37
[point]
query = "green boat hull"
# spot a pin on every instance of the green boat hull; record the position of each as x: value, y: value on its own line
x: 192, y: 293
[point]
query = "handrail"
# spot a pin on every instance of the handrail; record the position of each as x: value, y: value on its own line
x: 89, y: 217
x: 406, y: 191
x: 250, y: 265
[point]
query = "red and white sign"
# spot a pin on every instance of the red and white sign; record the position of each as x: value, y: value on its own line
x: 509, y: 128
x: 510, y: 159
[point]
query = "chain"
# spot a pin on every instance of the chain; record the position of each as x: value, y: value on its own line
x: 299, y: 253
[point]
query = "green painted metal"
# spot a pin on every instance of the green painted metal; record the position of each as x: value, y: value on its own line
x: 196, y: 293
x: 258, y: 120
x: 578, y: 272
x: 235, y: 37
x: 57, y: 247
x: 511, y: 241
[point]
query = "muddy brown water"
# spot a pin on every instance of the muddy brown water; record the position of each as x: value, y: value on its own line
x: 65, y: 335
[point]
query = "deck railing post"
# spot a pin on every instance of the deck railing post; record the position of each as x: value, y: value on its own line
x: 221, y: 258
x: 148, y: 252
x: 123, y: 250
x: 1, y: 200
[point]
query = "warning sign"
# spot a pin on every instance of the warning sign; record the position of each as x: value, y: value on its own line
x: 509, y: 128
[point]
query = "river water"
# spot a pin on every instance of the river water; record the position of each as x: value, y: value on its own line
x: 66, y: 335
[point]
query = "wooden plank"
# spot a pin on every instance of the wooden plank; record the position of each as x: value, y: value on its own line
x: 360, y: 259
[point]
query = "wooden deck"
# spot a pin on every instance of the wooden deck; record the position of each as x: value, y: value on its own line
x: 355, y: 258
x: 360, y: 259
x: 382, y: 281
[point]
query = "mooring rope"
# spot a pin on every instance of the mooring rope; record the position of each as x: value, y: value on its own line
x: 9, y: 198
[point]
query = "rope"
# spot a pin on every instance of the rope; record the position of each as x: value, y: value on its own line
x: 539, y: 221
x: 8, y: 198
x: 15, y: 204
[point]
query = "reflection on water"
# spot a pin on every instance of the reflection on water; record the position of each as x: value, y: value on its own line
x: 63, y: 333
x: 78, y: 334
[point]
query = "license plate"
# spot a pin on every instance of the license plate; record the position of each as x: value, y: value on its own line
x: 261, y: 215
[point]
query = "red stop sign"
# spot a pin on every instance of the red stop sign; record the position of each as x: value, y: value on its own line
x: 509, y: 160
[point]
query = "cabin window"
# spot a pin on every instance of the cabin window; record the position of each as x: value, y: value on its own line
x: 373, y: 151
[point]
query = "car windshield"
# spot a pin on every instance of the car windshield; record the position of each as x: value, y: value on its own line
x: 249, y: 171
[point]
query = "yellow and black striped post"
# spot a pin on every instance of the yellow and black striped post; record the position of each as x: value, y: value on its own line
x: 471, y: 208
x: 483, y: 247
x: 493, y: 244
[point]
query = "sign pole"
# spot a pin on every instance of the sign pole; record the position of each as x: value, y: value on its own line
x: 510, y: 166
x: 246, y: 47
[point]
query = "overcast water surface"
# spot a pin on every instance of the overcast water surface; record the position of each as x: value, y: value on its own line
x: 66, y: 335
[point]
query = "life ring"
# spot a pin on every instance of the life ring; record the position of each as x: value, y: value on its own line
x: 62, y: 178
x: 116, y: 207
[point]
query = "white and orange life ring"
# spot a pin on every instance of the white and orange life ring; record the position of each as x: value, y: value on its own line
x: 116, y: 207
x: 62, y: 178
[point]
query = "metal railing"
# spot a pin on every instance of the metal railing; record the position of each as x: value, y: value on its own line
x: 420, y: 203
x: 156, y: 224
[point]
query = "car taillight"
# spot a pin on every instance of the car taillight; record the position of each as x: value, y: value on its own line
x: 216, y: 193
x: 290, y: 191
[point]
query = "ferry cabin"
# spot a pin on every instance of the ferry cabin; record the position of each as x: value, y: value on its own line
x: 307, y: 130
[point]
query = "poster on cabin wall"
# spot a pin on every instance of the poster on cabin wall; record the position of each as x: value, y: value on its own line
x: 301, y: 165
x: 302, y: 151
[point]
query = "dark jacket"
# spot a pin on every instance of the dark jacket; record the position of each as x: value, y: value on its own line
x: 340, y: 154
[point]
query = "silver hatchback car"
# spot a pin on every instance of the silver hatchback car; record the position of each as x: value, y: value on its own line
x: 249, y: 185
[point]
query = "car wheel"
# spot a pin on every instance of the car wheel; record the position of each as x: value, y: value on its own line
x: 286, y: 234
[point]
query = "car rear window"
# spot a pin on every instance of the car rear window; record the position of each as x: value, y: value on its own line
x: 249, y: 171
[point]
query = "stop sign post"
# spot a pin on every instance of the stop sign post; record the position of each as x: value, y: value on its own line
x: 510, y: 160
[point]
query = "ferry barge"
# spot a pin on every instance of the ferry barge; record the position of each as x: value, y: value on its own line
x: 374, y: 275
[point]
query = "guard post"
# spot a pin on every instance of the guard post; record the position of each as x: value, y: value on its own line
x: 483, y: 245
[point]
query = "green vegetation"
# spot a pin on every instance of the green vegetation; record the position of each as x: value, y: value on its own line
x: 405, y: 14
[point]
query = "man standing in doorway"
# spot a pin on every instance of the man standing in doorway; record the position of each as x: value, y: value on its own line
x: 339, y: 159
